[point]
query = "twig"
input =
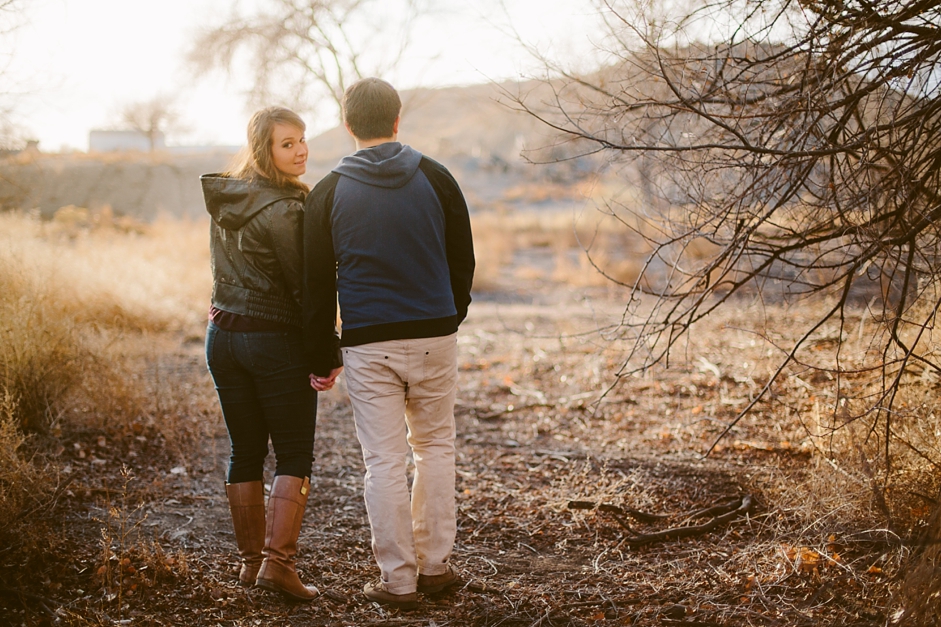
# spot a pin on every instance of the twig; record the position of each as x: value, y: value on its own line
x: 49, y: 504
x: 721, y: 514
x: 636, y: 514
x: 931, y: 500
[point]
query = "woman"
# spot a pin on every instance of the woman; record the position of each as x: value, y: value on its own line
x: 254, y: 347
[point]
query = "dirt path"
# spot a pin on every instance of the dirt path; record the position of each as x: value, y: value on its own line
x: 529, y: 440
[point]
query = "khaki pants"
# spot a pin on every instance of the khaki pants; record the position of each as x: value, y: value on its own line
x: 403, y: 392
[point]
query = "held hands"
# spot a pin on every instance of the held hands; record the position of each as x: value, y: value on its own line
x: 322, y: 384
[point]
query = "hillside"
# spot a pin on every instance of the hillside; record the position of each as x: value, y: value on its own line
x: 466, y: 128
x: 135, y: 184
x: 459, y: 124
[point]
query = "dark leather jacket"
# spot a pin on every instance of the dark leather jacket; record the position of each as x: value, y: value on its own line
x: 255, y: 247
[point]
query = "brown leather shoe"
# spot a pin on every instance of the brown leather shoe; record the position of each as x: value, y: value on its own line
x: 247, y: 506
x: 378, y: 593
x: 286, y: 505
x: 429, y: 584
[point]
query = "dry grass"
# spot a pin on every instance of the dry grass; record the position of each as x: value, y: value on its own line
x: 595, y: 242
x: 71, y: 288
x: 41, y: 357
x: 919, y: 597
x: 507, y: 243
x: 113, y: 273
x: 84, y: 300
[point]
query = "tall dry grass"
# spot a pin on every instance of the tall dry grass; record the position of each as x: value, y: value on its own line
x: 71, y: 288
x: 84, y: 299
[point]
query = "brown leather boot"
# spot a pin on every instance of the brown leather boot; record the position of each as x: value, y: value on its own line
x: 247, y: 504
x: 286, y: 504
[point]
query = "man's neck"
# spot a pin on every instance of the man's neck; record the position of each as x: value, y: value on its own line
x: 369, y: 143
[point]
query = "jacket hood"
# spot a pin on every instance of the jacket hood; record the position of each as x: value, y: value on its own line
x: 387, y: 165
x: 232, y: 202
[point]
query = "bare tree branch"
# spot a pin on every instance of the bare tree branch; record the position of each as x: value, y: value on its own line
x: 151, y: 118
x: 800, y: 140
x: 306, y: 52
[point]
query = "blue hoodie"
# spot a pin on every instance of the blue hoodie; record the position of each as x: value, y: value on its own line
x: 394, y: 228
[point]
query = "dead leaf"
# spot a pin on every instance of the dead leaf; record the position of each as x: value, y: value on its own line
x: 805, y: 559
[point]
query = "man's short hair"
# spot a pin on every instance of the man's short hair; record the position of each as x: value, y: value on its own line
x: 370, y: 107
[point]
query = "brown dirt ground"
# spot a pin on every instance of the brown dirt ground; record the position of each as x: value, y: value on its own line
x: 156, y: 547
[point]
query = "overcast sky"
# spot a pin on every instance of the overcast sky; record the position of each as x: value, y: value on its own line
x: 76, y: 62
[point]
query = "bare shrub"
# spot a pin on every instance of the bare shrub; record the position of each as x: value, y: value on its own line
x: 22, y: 483
x: 801, y: 140
x: 41, y: 359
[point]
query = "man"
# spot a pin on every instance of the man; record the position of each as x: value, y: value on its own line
x: 388, y: 232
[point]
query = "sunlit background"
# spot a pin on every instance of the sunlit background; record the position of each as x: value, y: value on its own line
x: 708, y: 268
x: 72, y: 64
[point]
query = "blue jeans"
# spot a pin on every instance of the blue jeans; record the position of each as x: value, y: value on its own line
x: 263, y: 387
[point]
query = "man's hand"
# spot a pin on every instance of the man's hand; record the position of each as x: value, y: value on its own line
x: 322, y: 384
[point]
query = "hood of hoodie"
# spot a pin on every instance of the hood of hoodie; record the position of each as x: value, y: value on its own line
x: 232, y: 202
x: 387, y: 165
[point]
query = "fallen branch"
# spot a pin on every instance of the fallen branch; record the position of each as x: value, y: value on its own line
x: 720, y: 514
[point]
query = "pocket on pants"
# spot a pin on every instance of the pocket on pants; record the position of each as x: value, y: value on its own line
x: 367, y: 375
x: 270, y: 352
x: 439, y: 364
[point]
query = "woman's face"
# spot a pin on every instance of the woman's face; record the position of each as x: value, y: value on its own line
x: 289, y: 149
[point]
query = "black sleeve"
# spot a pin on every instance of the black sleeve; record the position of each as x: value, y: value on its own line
x: 459, y: 242
x: 320, y: 280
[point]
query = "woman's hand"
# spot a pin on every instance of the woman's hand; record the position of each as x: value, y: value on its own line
x: 322, y: 384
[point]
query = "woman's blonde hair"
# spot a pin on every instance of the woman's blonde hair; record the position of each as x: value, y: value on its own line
x: 255, y: 160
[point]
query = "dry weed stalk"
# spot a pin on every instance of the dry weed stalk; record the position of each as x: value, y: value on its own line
x: 23, y: 483
x: 122, y: 546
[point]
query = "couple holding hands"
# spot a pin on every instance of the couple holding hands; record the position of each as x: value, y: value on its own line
x: 387, y: 233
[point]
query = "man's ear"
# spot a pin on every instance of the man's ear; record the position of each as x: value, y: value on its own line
x: 348, y: 129
x: 395, y: 125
